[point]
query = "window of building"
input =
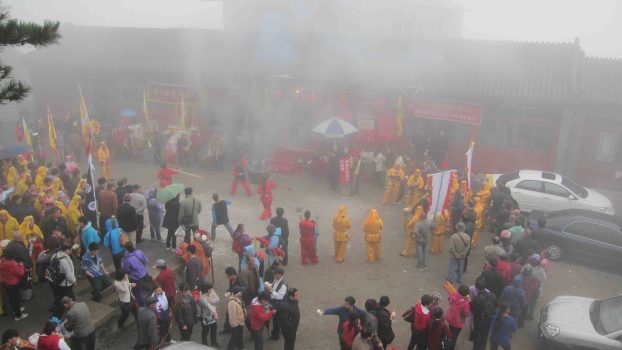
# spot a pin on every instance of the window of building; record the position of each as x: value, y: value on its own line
x: 606, y: 146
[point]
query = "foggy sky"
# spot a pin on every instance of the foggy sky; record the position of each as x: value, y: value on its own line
x: 596, y: 22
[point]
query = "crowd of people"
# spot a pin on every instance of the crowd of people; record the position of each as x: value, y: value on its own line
x: 46, y: 238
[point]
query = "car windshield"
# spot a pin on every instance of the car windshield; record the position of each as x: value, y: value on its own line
x: 574, y: 187
x: 606, y: 315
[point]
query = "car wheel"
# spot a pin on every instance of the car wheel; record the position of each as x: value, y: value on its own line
x: 554, y: 252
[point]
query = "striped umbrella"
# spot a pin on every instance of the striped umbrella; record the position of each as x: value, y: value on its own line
x: 335, y: 128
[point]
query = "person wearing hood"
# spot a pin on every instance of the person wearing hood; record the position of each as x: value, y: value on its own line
x: 415, y: 187
x: 88, y: 234
x: 515, y: 297
x: 28, y: 228
x: 73, y: 214
x: 155, y: 210
x: 273, y: 239
x: 410, y: 228
x: 237, y: 314
x: 8, y: 225
x: 394, y: 180
x: 103, y: 155
x: 40, y: 176
x: 373, y: 235
x: 135, y: 265
x: 112, y: 240
x: 341, y: 225
x: 260, y: 314
x: 307, y: 239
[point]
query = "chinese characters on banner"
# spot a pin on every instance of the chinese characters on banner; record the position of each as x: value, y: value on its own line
x: 344, y: 170
x: 451, y: 111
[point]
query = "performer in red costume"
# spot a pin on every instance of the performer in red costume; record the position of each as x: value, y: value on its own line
x: 240, y: 175
x: 265, y: 195
x: 307, y: 239
x: 165, y: 175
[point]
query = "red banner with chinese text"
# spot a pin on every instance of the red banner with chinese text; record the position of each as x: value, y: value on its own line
x: 344, y: 171
x: 171, y: 94
x: 450, y: 111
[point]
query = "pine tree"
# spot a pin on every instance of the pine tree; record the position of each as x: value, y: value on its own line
x: 19, y: 33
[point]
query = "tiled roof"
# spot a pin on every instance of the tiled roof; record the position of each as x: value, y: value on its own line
x: 550, y: 72
x: 601, y: 81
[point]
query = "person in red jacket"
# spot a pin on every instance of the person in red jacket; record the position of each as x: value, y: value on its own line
x: 419, y: 326
x: 265, y: 196
x: 11, y: 274
x: 307, y: 239
x: 505, y: 269
x: 165, y: 175
x: 260, y: 314
x: 437, y: 330
x: 240, y: 175
x: 459, y: 310
x: 166, y: 280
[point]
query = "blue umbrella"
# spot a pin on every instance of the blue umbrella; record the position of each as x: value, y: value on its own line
x: 335, y: 128
x: 128, y: 113
x: 13, y: 151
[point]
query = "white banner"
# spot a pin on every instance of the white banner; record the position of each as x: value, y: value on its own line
x: 440, y: 190
x: 469, y: 160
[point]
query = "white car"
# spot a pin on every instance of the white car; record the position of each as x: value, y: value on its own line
x: 546, y: 191
x: 570, y: 322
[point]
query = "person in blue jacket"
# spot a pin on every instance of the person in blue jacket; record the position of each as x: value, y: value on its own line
x: 501, y: 328
x: 88, y: 234
x: 112, y: 240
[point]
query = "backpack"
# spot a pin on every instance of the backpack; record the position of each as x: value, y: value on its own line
x: 53, y: 272
x: 490, y: 305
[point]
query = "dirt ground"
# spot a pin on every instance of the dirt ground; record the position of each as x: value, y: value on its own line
x: 327, y: 283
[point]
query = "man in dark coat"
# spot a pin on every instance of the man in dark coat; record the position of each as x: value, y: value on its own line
x: 280, y: 222
x: 289, y: 317
x: 126, y: 217
x: 147, y: 325
x: 492, y: 279
x: 54, y: 220
x: 483, y: 309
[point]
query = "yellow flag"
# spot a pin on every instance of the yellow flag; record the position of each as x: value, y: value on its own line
x: 399, y: 118
x: 182, y: 124
x: 53, y: 138
x: 145, y: 108
x: 84, y: 113
x: 27, y: 139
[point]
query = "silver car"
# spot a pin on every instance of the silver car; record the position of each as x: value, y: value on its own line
x: 581, y: 323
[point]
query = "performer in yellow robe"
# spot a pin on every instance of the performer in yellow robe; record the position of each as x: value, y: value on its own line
x: 41, y: 175
x: 28, y: 227
x: 415, y: 188
x: 410, y: 228
x: 341, y: 225
x: 394, y: 180
x: 11, y: 176
x: 103, y: 155
x: 73, y: 213
x: 438, y: 234
x: 481, y: 202
x: 373, y: 235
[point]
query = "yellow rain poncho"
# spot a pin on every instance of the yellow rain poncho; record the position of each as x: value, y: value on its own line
x: 28, y: 227
x: 341, y: 225
x: 103, y: 155
x: 8, y: 225
x: 11, y: 176
x: 57, y: 185
x: 373, y: 235
x: 41, y: 174
x: 73, y: 213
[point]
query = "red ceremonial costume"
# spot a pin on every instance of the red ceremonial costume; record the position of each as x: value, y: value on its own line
x: 239, y: 176
x: 165, y: 175
x: 265, y: 196
x: 307, y: 238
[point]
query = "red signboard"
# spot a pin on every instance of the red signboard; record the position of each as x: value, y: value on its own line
x: 171, y: 94
x: 451, y: 111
